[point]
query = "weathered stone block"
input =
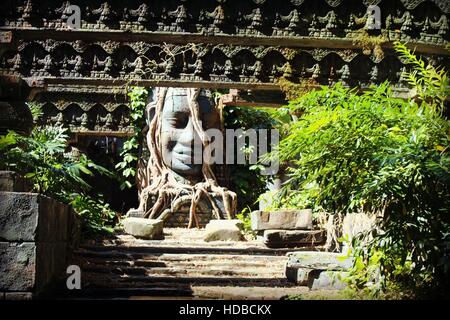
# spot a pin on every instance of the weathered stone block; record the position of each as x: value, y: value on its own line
x: 297, y: 275
x: 30, y: 267
x: 319, y: 260
x: 12, y: 182
x: 17, y: 266
x: 34, y: 231
x: 318, y: 270
x: 52, y: 225
x: 286, y: 219
x: 19, y: 214
x: 32, y: 217
x: 329, y: 280
x: 151, y: 229
x: 135, y: 213
x: 224, y: 230
x: 292, y: 238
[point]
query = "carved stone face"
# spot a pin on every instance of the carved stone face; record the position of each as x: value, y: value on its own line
x: 181, y: 148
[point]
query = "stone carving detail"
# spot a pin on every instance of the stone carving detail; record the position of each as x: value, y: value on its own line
x: 81, y: 109
x: 226, y: 18
x: 266, y: 41
x: 234, y: 64
x: 412, y: 4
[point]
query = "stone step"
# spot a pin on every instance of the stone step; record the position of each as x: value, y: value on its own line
x: 191, y: 272
x: 188, y: 249
x: 110, y: 280
x: 182, y: 266
x: 190, y: 292
x: 122, y: 293
x: 193, y: 264
x: 181, y: 258
x: 246, y: 293
x: 318, y: 270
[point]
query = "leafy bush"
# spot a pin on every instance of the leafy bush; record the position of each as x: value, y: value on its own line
x: 380, y: 154
x: 246, y: 180
x: 96, y: 215
x: 42, y: 158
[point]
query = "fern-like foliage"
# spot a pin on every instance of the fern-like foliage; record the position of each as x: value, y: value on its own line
x: 430, y: 82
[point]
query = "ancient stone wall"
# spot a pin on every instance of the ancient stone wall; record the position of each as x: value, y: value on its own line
x: 37, y: 236
x: 248, y: 45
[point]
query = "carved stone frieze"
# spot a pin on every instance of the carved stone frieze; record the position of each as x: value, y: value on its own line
x: 412, y: 20
x: 123, y: 62
x: 244, y: 44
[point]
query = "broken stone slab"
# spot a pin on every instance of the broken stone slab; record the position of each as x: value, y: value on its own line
x: 328, y: 280
x: 298, y: 275
x: 319, y: 260
x: 224, y: 230
x: 32, y: 217
x: 318, y: 270
x: 317, y: 279
x: 151, y: 229
x: 293, y: 238
x: 283, y: 219
x: 11, y: 181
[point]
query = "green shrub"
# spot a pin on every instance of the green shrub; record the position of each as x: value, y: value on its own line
x: 380, y: 154
x: 42, y: 158
x: 246, y: 180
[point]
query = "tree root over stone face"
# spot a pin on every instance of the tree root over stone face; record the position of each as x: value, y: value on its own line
x: 168, y: 191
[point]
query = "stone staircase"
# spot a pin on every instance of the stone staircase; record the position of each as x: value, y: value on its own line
x: 181, y: 266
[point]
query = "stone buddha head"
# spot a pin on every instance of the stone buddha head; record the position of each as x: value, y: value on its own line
x: 177, y: 178
x: 181, y: 147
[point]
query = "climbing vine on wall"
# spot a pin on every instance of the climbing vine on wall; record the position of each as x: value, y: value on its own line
x: 130, y: 151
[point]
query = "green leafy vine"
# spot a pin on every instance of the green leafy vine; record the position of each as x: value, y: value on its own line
x: 130, y: 151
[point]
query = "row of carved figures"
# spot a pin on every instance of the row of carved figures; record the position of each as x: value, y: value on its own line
x: 86, y: 121
x: 139, y: 69
x: 292, y: 23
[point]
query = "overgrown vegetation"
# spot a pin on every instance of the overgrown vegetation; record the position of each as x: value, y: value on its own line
x: 130, y: 151
x: 370, y: 44
x: 379, y: 154
x: 43, y: 159
x: 296, y: 90
x: 246, y: 179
